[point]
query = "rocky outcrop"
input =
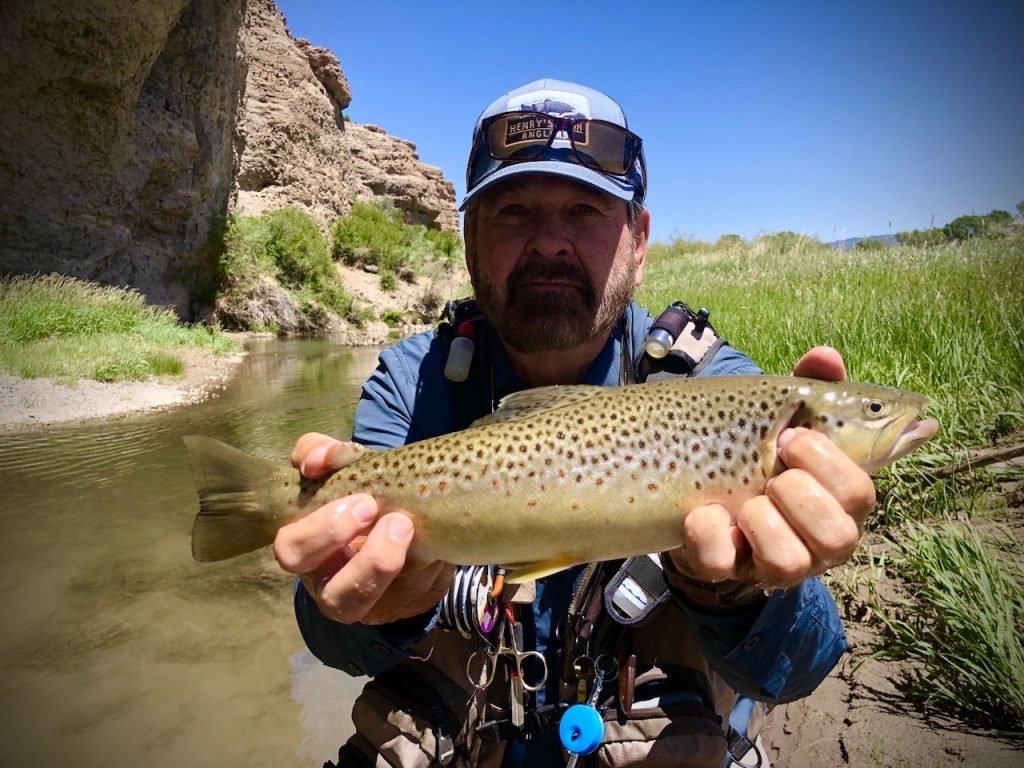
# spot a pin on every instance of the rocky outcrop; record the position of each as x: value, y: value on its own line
x: 116, y: 140
x: 295, y: 147
x: 129, y: 130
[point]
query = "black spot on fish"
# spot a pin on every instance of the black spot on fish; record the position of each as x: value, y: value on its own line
x: 727, y: 452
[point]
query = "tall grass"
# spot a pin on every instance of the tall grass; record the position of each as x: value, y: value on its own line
x: 964, y: 623
x: 57, y: 326
x: 945, y: 321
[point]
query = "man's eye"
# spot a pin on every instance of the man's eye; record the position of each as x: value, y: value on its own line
x: 512, y: 209
x: 584, y: 208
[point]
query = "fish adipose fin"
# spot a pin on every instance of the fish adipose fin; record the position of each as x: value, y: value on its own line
x: 233, y: 491
x: 532, y: 402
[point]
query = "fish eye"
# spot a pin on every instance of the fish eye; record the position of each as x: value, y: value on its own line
x: 874, y: 408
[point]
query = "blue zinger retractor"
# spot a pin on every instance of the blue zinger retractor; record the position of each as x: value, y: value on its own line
x: 581, y: 729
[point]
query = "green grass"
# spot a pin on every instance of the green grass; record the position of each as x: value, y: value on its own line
x: 943, y: 320
x: 68, y: 329
x: 964, y: 623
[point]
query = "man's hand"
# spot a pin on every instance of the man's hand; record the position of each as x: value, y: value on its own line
x: 809, y: 518
x: 349, y: 560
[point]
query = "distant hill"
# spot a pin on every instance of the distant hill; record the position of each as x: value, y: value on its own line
x: 848, y: 243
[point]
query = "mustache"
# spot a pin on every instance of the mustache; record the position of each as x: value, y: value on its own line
x: 545, y: 270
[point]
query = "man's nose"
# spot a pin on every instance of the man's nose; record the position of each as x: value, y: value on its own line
x: 549, y: 236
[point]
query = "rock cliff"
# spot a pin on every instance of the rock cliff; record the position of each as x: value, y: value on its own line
x: 295, y: 147
x: 129, y: 130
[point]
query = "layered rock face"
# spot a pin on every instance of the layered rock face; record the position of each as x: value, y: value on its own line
x: 129, y: 130
x: 296, y: 149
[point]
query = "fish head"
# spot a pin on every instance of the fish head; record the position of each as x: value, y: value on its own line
x: 871, y: 424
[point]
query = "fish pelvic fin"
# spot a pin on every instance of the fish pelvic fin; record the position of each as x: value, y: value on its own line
x: 521, y: 572
x: 236, y: 493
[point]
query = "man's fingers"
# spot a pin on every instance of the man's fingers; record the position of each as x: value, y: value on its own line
x: 306, y: 544
x: 780, y: 557
x: 821, y: 363
x: 355, y: 589
x: 710, y: 547
x: 316, y: 455
x: 832, y: 469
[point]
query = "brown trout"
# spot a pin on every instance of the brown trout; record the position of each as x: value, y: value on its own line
x: 567, y: 474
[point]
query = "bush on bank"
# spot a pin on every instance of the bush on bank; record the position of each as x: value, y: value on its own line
x: 279, y: 272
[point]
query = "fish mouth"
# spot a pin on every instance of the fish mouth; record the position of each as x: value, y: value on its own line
x: 916, y: 432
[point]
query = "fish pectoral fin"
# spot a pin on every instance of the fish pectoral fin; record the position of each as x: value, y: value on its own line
x: 532, y: 402
x: 521, y: 572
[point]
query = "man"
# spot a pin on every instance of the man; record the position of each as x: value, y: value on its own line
x: 556, y: 241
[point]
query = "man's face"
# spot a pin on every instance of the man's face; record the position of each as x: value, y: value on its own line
x: 553, y: 262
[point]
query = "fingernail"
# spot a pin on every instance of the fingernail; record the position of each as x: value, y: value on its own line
x: 399, y: 528
x: 363, y: 510
x: 786, y: 436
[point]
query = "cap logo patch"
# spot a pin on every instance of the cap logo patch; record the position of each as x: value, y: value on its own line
x: 532, y: 130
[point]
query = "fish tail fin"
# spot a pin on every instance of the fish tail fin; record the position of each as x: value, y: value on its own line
x: 236, y: 500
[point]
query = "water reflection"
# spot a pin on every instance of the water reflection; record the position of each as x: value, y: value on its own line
x: 116, y: 646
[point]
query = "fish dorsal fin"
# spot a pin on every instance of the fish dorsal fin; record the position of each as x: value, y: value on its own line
x: 532, y: 402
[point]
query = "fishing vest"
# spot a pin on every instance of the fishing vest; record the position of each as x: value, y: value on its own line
x: 667, y: 707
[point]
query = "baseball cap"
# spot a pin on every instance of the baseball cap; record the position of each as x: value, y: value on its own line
x: 561, y: 157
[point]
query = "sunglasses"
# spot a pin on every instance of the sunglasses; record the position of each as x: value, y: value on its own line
x: 515, y: 137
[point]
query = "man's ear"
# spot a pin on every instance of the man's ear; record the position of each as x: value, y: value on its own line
x: 641, y: 235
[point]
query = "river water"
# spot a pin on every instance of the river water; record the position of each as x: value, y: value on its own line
x: 117, y: 648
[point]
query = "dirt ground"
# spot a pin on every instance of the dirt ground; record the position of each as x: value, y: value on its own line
x: 858, y: 717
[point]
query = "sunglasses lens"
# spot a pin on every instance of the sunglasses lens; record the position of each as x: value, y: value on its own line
x: 605, y: 147
x: 596, y: 144
x: 519, y: 135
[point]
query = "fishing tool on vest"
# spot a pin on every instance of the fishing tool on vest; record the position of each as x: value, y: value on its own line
x: 669, y: 326
x: 460, y: 353
x: 582, y: 727
x: 509, y: 648
x: 467, y: 606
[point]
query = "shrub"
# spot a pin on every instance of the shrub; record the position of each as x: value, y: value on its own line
x: 867, y: 244
x: 286, y: 246
x: 372, y: 235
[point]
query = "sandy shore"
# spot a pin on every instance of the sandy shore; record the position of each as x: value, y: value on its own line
x: 28, y: 403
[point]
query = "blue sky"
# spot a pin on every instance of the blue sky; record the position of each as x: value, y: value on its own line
x: 830, y: 118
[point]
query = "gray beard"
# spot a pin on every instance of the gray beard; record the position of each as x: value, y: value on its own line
x: 535, y: 320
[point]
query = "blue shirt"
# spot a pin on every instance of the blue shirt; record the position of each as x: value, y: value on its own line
x: 775, y: 651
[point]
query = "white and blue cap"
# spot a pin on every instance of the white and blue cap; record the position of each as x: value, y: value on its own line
x: 558, y: 99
